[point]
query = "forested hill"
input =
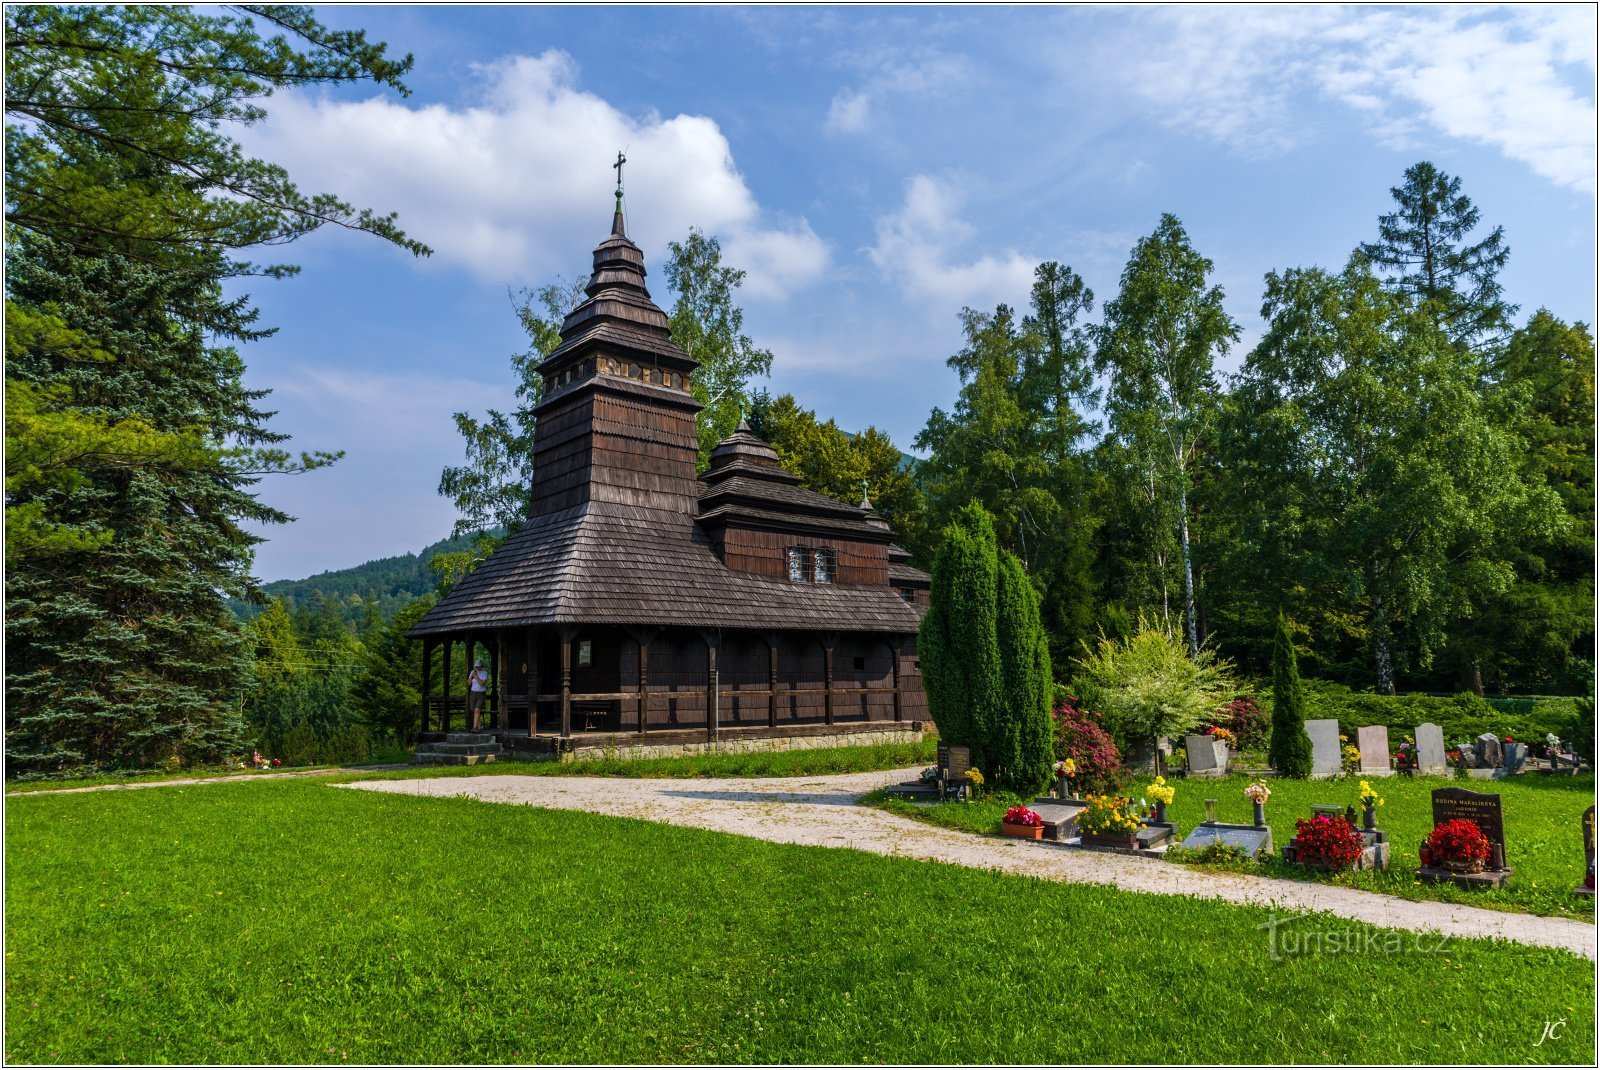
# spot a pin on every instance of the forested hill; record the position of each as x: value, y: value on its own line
x: 386, y: 583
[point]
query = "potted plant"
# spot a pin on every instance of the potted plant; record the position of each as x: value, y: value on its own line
x: 1259, y: 794
x: 974, y: 779
x: 1066, y: 769
x: 1023, y: 823
x: 1370, y: 801
x: 1457, y: 846
x: 1109, y: 821
x: 1162, y: 793
x: 1325, y: 843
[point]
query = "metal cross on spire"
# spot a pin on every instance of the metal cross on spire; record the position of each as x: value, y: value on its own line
x: 621, y: 159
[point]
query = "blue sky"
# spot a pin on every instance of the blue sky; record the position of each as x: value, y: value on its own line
x: 874, y: 170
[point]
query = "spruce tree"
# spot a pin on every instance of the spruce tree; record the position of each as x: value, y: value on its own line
x: 958, y: 645
x: 1290, y: 748
x: 1023, y: 747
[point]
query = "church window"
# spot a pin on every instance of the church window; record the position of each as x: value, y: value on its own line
x: 797, y: 564
x: 822, y: 566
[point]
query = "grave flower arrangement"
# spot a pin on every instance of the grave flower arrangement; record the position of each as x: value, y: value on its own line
x: 1456, y: 845
x: 1066, y: 769
x: 1021, y: 815
x: 1109, y: 815
x: 1022, y: 823
x: 1369, y: 797
x: 1221, y: 735
x: 974, y: 777
x: 1258, y: 791
x: 1325, y: 842
x: 1161, y: 791
x: 1350, y: 757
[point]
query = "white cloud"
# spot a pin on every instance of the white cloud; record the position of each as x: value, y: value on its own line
x: 1502, y: 77
x: 916, y: 248
x: 852, y: 110
x: 509, y: 185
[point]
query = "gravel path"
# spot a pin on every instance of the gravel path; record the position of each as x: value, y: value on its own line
x: 820, y: 811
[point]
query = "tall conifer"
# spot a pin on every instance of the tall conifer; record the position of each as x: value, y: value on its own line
x: 1290, y: 748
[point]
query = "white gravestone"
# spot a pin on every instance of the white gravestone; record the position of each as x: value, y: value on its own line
x: 1374, y: 743
x: 1325, y: 758
x: 1430, y: 750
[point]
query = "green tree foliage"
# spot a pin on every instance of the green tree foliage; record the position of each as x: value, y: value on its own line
x: 1290, y: 748
x: 841, y: 465
x: 1403, y: 475
x: 1159, y: 344
x: 1150, y: 685
x: 708, y: 325
x: 126, y: 200
x: 490, y: 490
x: 1539, y: 634
x: 386, y: 691
x: 1014, y: 442
x: 1024, y: 744
x: 1422, y: 253
x: 959, y: 643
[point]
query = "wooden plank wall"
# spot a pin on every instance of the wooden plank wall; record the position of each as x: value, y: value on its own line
x: 765, y: 553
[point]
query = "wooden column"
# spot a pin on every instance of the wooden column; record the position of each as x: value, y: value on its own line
x: 829, y: 640
x: 644, y: 684
x: 427, y: 681
x: 567, y: 633
x: 713, y: 639
x: 533, y: 681
x: 502, y: 712
x: 894, y: 661
x: 772, y: 679
x: 444, y: 712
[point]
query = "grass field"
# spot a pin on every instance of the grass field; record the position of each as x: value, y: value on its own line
x: 814, y: 762
x: 293, y: 921
x: 1544, y: 840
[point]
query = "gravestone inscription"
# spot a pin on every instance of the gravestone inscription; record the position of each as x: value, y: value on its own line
x: 1480, y: 808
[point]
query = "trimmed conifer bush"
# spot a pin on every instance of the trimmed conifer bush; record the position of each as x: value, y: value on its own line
x: 1290, y: 749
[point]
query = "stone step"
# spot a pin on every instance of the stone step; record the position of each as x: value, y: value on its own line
x: 460, y: 748
x: 470, y: 737
x: 424, y: 758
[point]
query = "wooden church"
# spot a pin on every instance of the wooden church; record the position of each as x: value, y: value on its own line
x: 645, y: 608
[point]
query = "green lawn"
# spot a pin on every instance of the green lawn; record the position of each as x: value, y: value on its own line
x: 1545, y: 845
x: 293, y: 921
x: 813, y: 762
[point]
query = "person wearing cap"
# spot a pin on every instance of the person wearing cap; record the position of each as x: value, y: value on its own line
x: 477, y: 687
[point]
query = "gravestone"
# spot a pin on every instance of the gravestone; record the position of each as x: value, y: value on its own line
x: 1587, y: 887
x: 1480, y: 808
x: 1430, y: 750
x: 1487, y: 749
x: 1248, y: 838
x: 954, y: 759
x: 1515, y: 756
x: 1325, y: 760
x: 1373, y: 741
x: 1207, y: 756
x: 1060, y: 818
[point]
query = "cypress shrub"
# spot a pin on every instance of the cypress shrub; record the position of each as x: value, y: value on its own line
x: 1290, y: 749
x: 958, y: 644
x: 1022, y: 736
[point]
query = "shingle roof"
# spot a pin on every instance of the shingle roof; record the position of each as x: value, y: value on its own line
x: 600, y: 563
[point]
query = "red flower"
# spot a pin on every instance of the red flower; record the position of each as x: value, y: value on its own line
x: 1326, y: 841
x: 1510, y: 740
x: 1458, y: 841
x: 1021, y: 815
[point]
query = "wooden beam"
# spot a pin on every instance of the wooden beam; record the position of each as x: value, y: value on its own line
x: 501, y: 662
x: 713, y: 640
x: 567, y: 634
x: 772, y: 679
x: 894, y: 661
x: 644, y: 684
x: 828, y: 642
x: 444, y: 714
x: 533, y: 681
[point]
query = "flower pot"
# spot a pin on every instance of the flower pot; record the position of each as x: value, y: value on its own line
x: 1161, y: 812
x: 1124, y: 841
x: 1022, y: 832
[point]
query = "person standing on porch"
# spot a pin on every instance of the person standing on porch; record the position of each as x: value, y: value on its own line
x: 477, y: 687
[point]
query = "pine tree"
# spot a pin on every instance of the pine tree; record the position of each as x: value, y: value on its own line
x: 1023, y: 740
x: 959, y: 645
x: 1290, y: 748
